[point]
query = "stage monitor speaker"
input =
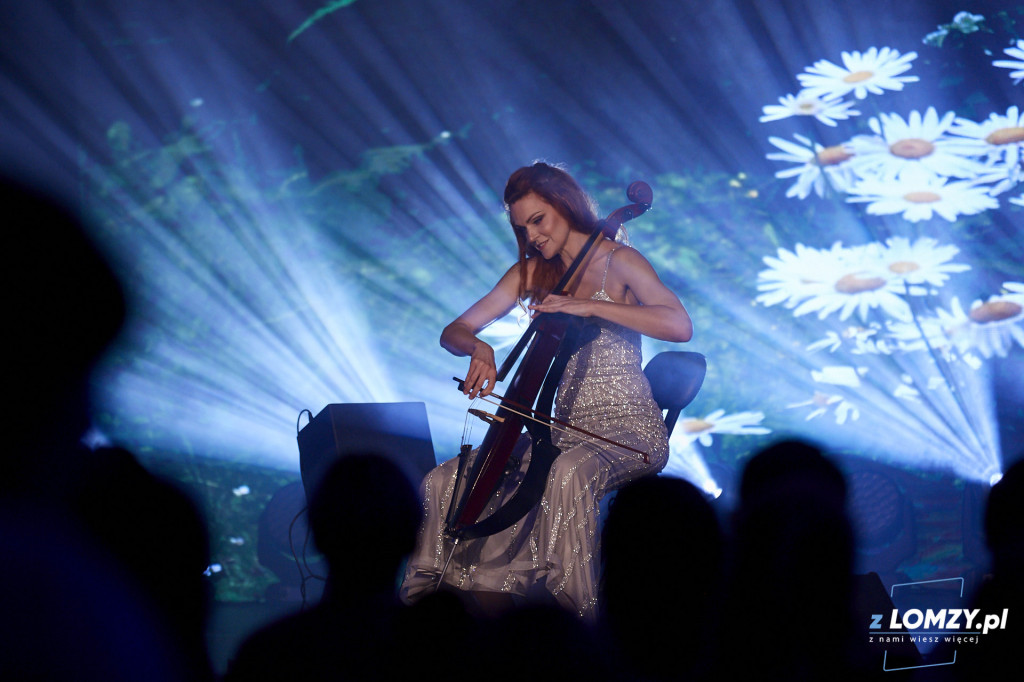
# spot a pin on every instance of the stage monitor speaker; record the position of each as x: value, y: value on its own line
x: 398, y: 431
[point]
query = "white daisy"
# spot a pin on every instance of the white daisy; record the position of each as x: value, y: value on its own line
x: 741, y: 423
x: 823, y: 402
x: 922, y: 262
x: 797, y: 275
x: 994, y: 325
x: 1017, y: 53
x: 1001, y: 176
x: 989, y: 327
x: 828, y: 110
x: 873, y: 71
x: 1000, y: 140
x: 840, y: 279
x: 858, y: 284
x: 918, y: 142
x: 944, y: 332
x: 818, y: 166
x: 997, y: 136
x: 919, y: 195
x: 1017, y: 200
x: 857, y: 278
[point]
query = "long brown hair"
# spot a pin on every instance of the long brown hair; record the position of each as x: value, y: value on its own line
x: 555, y: 186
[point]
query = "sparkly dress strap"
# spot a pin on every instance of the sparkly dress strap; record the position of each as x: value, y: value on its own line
x: 607, y: 266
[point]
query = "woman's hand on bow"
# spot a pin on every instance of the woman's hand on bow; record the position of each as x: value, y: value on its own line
x: 482, y: 374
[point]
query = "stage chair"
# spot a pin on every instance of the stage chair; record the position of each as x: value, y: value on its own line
x: 675, y: 377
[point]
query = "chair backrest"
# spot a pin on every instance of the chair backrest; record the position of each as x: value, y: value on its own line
x: 675, y: 377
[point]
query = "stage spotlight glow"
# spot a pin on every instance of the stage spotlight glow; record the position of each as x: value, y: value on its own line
x: 298, y: 203
x: 241, y: 331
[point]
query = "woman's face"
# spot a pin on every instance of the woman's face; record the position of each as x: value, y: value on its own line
x: 545, y: 228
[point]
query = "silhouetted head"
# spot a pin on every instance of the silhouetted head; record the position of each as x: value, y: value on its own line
x: 792, y: 465
x: 665, y: 519
x: 663, y: 554
x: 364, y: 516
x: 793, y: 554
x: 62, y: 307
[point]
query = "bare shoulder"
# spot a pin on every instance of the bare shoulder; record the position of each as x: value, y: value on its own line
x: 641, y: 282
x: 628, y: 260
x: 511, y: 278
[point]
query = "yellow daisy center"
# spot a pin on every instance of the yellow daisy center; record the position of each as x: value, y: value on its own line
x: 903, y: 267
x: 696, y: 425
x: 995, y: 311
x: 858, y: 76
x: 830, y: 156
x: 807, y: 106
x: 1006, y: 135
x: 852, y: 284
x: 911, y: 148
x: 922, y: 197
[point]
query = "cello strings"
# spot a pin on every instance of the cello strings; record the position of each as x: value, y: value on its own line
x: 566, y: 428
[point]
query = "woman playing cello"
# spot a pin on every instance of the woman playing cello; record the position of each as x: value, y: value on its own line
x: 602, y: 390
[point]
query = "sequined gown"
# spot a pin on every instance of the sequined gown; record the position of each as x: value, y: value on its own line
x: 555, y: 547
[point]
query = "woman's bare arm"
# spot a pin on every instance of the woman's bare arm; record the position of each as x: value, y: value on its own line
x: 660, y: 314
x: 460, y: 337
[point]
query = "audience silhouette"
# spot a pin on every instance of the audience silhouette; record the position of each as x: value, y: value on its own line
x: 363, y: 516
x: 546, y: 638
x: 1002, y: 592
x: 663, y: 552
x: 156, y: 533
x: 789, y: 613
x: 63, y: 305
x: 103, y: 562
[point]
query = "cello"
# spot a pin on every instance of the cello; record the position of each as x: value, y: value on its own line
x: 545, y: 347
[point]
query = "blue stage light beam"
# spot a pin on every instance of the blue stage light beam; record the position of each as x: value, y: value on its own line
x: 298, y: 220
x: 240, y: 327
